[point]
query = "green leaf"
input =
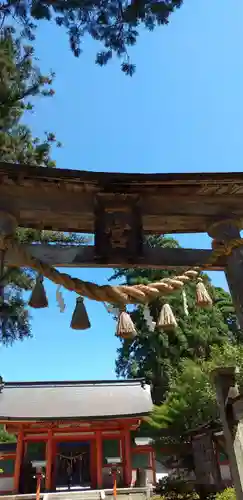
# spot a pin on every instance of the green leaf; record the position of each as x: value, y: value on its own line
x: 40, y: 11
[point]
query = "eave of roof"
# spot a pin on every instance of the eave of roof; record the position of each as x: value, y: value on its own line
x: 70, y: 383
x: 74, y: 400
x: 94, y: 418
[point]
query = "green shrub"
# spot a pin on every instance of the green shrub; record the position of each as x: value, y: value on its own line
x: 176, y: 489
x: 228, y: 494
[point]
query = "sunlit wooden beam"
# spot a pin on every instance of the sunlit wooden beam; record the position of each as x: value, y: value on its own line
x: 84, y: 256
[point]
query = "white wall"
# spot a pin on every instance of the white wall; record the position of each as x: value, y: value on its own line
x: 6, y: 484
x: 161, y: 471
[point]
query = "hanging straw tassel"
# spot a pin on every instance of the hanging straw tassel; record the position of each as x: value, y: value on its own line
x: 125, y: 326
x: 166, y: 319
x: 38, y: 298
x: 203, y: 298
x: 80, y: 319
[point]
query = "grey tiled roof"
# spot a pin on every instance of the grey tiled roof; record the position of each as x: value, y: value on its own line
x: 50, y: 400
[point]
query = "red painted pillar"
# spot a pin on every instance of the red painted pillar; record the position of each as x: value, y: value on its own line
x: 49, y: 454
x: 18, y: 460
x: 127, y: 458
x: 99, y: 459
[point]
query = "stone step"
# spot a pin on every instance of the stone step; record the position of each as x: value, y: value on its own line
x: 122, y: 494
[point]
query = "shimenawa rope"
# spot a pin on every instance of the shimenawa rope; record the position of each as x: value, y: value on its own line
x: 121, y: 294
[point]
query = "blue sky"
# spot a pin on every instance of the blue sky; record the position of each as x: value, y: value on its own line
x: 181, y: 112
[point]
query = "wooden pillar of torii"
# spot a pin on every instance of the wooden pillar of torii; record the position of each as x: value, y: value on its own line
x: 224, y: 232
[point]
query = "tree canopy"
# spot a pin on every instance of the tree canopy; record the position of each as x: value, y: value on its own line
x: 178, y: 363
x: 191, y: 399
x: 21, y: 81
x: 114, y: 24
x: 158, y: 355
x: 190, y: 405
x: 5, y: 437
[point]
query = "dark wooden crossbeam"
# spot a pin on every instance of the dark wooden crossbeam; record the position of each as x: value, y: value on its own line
x: 66, y: 200
x: 84, y: 256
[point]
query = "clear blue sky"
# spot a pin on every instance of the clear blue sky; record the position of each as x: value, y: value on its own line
x: 181, y: 112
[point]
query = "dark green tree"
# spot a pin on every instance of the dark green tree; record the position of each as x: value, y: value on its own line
x: 21, y: 82
x: 190, y: 405
x: 5, y: 437
x: 191, y: 399
x: 114, y: 24
x: 178, y: 364
x: 158, y: 355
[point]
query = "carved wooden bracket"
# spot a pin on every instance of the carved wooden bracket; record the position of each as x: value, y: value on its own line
x: 118, y: 228
x: 225, y: 229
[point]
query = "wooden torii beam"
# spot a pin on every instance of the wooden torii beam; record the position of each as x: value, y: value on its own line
x: 119, y: 209
x: 78, y: 256
x: 78, y: 201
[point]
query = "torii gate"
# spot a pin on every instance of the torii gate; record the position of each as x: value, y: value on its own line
x: 119, y: 209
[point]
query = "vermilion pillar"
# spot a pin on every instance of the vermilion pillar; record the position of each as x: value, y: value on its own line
x: 49, y: 454
x: 127, y: 458
x: 18, y: 460
x: 99, y: 459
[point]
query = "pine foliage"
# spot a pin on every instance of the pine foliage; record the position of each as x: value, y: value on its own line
x: 114, y: 24
x: 21, y: 82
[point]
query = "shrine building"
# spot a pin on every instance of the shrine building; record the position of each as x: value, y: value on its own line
x: 77, y: 429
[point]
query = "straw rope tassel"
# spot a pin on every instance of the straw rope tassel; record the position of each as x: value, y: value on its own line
x: 166, y: 320
x: 203, y: 298
x: 38, y: 298
x: 80, y: 319
x: 125, y: 326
